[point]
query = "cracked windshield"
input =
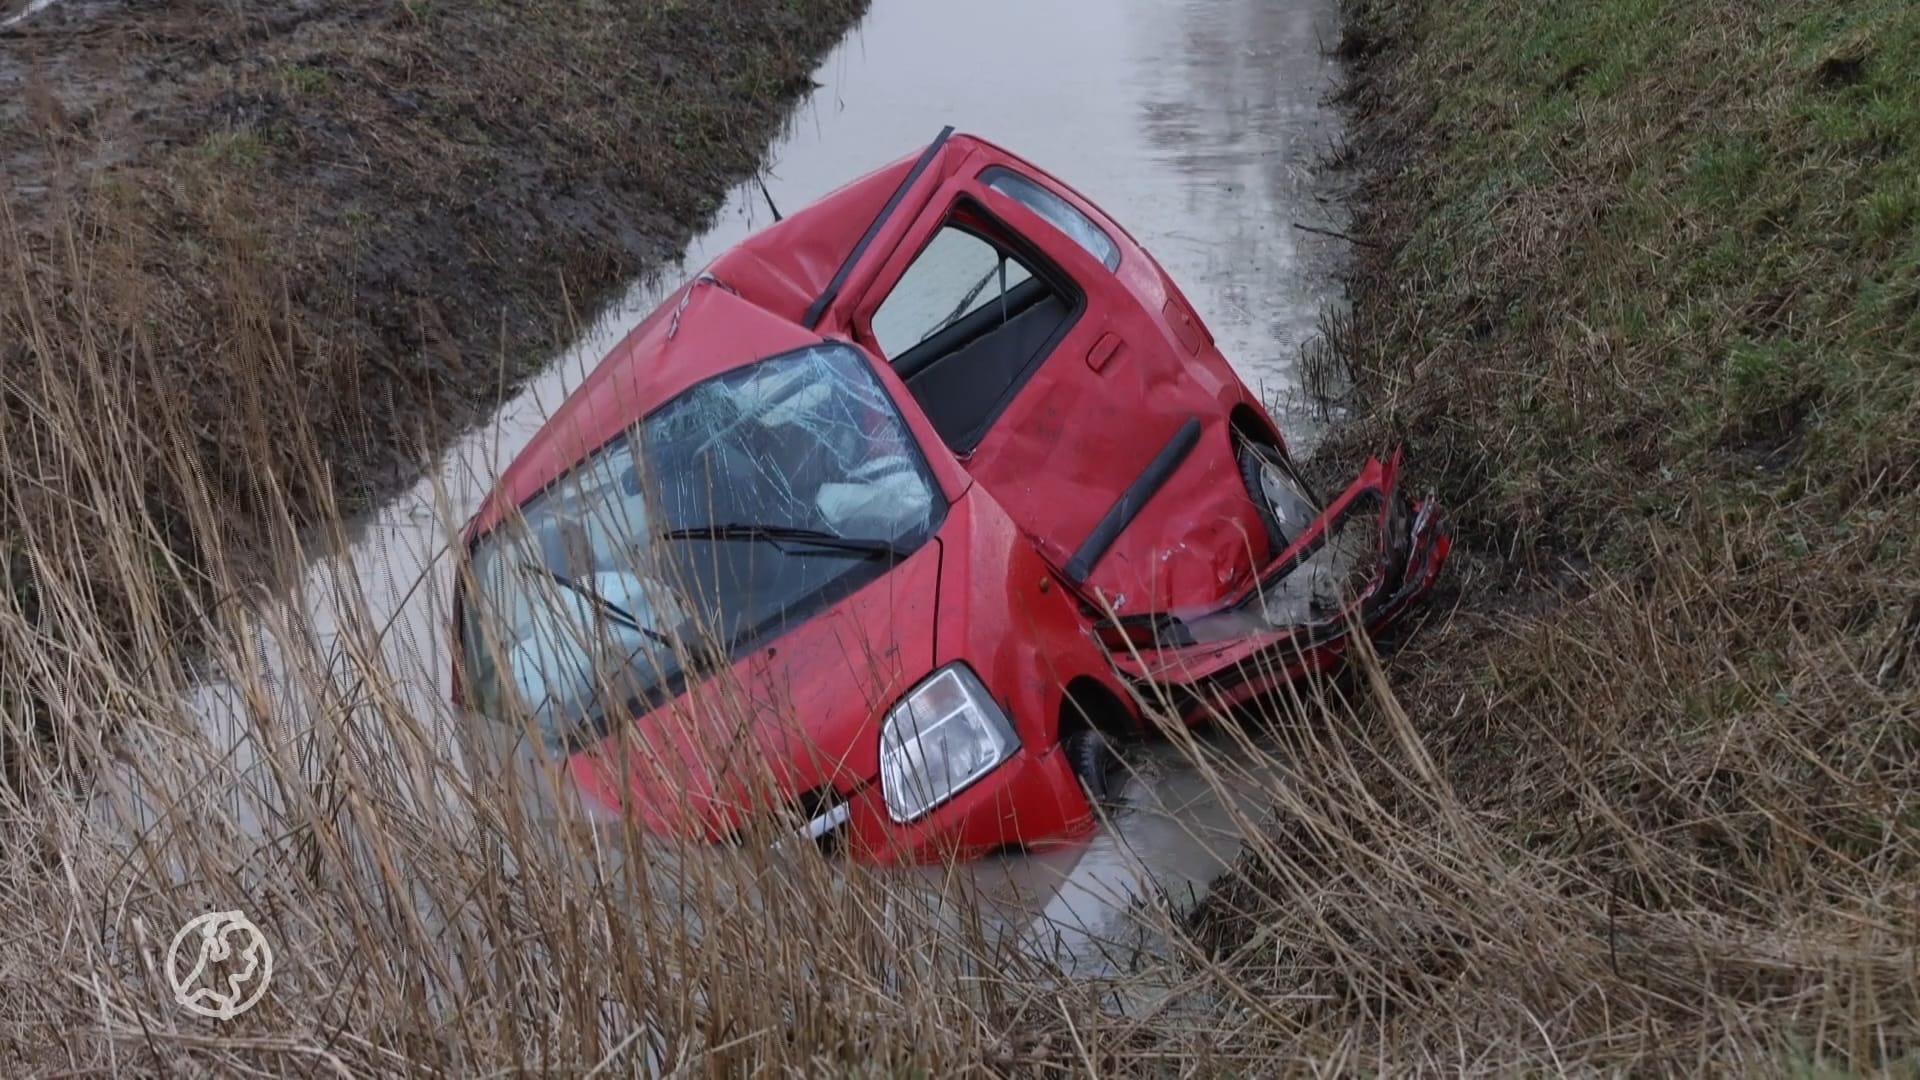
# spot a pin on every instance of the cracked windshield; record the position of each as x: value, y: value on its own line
x: 720, y: 517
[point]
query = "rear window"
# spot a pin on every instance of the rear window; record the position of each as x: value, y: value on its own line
x: 1058, y: 212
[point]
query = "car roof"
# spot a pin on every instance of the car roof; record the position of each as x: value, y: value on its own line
x: 757, y: 299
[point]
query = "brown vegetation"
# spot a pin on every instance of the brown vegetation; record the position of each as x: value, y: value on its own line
x: 1640, y: 289
x: 431, y: 197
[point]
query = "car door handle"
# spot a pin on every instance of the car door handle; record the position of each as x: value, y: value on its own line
x: 1104, y: 350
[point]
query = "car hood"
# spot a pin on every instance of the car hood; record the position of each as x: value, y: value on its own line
x: 797, y: 718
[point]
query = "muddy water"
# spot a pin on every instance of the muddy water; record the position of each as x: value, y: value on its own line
x: 1195, y: 122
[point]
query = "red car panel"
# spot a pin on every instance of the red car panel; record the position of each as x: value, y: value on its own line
x: 1083, y: 445
x: 1076, y: 435
x: 799, y: 713
x: 1222, y: 657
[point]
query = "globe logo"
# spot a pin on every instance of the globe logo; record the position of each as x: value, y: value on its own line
x: 219, y: 965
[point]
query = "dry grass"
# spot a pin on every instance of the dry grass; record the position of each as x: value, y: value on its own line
x: 1637, y: 287
x: 429, y: 191
x: 1639, y: 797
x: 1598, y: 902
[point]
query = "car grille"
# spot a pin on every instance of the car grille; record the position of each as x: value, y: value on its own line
x: 820, y: 815
x: 823, y: 814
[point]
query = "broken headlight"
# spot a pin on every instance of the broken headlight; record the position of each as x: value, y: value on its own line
x: 946, y: 734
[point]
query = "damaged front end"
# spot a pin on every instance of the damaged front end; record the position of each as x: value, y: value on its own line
x: 1360, y: 564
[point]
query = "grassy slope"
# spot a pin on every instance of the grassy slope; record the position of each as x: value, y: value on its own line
x: 1641, y: 290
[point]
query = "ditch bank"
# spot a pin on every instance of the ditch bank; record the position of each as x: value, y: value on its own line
x: 443, y: 192
x: 1639, y: 287
x: 370, y: 219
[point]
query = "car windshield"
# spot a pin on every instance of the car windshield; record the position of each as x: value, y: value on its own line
x: 747, y: 504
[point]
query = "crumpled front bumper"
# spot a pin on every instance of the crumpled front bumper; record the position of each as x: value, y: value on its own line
x: 1271, y: 635
x: 1032, y: 800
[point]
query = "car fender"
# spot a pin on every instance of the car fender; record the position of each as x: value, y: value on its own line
x: 1004, y: 610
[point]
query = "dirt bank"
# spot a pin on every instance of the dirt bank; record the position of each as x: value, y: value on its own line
x: 245, y: 235
x: 1639, y: 284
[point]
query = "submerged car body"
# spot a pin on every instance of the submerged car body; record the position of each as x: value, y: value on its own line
x: 937, y: 475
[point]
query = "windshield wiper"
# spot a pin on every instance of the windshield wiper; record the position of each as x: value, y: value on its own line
x: 781, y: 535
x: 609, y: 608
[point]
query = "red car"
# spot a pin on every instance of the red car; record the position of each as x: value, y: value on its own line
x: 939, y: 474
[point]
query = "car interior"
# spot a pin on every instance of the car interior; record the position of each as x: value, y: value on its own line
x: 1001, y: 319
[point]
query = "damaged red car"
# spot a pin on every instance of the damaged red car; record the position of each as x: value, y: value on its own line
x: 895, y: 515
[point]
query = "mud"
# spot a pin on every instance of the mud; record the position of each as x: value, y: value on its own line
x: 418, y: 200
x: 1195, y: 123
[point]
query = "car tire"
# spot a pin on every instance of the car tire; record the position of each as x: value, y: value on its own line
x: 1286, y: 502
x: 1097, y: 765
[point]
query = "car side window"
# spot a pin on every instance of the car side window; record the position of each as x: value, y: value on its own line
x: 956, y: 275
x: 967, y: 324
x: 1058, y: 212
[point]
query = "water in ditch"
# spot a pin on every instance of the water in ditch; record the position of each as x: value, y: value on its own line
x: 1196, y: 123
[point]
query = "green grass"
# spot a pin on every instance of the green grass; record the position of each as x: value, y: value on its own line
x: 239, y: 147
x: 1642, y: 296
x: 304, y: 79
x: 1716, y: 208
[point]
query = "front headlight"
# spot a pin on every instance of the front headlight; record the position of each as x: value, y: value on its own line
x: 947, y: 733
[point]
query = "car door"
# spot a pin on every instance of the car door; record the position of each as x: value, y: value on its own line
x: 1020, y: 327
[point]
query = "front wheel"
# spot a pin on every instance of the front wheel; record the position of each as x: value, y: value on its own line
x: 1097, y: 765
x: 1287, y: 503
